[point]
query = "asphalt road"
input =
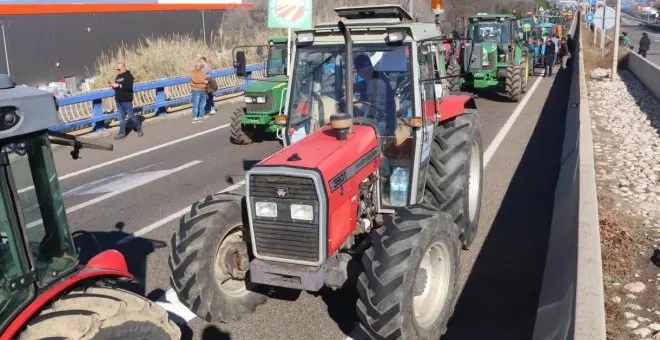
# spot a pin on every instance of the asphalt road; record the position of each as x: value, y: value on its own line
x: 136, y: 193
x: 631, y: 25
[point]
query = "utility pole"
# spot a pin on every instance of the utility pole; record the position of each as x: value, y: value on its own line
x: 204, y: 27
x: 617, y: 28
x: 603, y: 31
x: 595, y: 28
x: 4, y: 43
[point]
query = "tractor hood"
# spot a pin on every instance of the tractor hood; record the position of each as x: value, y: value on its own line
x: 323, y: 152
x: 268, y: 84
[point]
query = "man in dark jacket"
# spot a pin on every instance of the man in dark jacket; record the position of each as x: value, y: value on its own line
x: 644, y: 44
x: 123, y: 86
x: 570, y: 44
x: 549, y: 57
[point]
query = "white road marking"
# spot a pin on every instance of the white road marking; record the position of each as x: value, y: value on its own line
x: 135, y: 154
x: 128, y: 182
x: 170, y: 301
x: 170, y: 218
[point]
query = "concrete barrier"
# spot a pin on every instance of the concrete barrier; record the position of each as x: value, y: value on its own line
x: 571, y: 303
x: 645, y: 71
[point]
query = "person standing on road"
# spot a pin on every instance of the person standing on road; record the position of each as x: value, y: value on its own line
x: 555, y: 40
x: 198, y: 81
x: 549, y: 58
x: 644, y: 44
x: 564, y: 54
x: 123, y: 87
x: 212, y: 87
x: 570, y: 42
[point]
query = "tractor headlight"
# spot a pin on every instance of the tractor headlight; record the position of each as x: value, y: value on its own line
x: 266, y: 209
x: 302, y: 212
x: 261, y: 100
x: 249, y: 100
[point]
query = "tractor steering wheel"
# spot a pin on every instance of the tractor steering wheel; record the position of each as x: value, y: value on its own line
x: 358, y: 103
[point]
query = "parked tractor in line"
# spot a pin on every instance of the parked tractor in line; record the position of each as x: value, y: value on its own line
x: 44, y: 291
x: 380, y: 191
x: 496, y: 58
x: 264, y: 98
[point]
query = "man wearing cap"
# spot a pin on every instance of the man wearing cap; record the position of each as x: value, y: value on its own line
x: 375, y: 92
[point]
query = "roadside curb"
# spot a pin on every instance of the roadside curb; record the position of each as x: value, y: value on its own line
x: 571, y: 301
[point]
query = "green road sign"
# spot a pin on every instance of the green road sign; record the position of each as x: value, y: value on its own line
x: 290, y: 14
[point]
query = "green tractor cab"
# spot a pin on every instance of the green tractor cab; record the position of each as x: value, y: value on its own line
x: 496, y: 56
x: 264, y: 98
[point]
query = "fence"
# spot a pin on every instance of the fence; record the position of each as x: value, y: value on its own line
x: 94, y: 109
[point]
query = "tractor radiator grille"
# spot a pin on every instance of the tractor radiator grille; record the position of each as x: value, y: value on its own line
x: 283, y: 237
x: 256, y: 107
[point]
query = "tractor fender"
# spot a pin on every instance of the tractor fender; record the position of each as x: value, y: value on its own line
x: 456, y: 104
x: 109, y: 263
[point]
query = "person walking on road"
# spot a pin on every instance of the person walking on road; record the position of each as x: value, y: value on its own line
x: 211, y: 87
x: 198, y: 81
x: 123, y: 87
x: 644, y: 44
x: 549, y: 58
x: 570, y: 43
x: 564, y: 54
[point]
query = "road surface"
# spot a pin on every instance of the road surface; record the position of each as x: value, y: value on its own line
x: 136, y: 193
x: 632, y: 26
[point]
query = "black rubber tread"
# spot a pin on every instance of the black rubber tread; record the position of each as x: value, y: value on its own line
x: 99, y: 313
x: 194, y: 249
x: 447, y: 179
x: 454, y: 69
x: 238, y: 135
x: 385, y: 288
x: 512, y: 82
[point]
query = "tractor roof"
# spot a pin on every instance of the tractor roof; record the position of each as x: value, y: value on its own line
x: 36, y: 110
x: 278, y: 40
x: 491, y: 16
x: 377, y: 18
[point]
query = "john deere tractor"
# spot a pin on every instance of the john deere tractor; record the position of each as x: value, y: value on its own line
x: 378, y: 187
x: 496, y: 56
x: 263, y: 98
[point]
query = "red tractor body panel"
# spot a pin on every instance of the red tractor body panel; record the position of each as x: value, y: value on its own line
x: 343, y: 165
x: 109, y: 263
x: 450, y: 106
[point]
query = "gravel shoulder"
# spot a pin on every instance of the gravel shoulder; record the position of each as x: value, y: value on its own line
x: 626, y: 126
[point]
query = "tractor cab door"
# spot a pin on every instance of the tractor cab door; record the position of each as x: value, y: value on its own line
x: 276, y: 63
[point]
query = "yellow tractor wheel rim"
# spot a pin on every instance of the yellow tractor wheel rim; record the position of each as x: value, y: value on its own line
x: 526, y: 71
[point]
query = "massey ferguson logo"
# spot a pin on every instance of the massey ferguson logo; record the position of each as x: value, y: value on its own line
x: 281, y: 192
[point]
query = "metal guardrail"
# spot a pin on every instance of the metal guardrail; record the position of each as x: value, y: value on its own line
x: 93, y: 109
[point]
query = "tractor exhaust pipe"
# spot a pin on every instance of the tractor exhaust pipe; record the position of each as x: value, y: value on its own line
x: 342, y: 123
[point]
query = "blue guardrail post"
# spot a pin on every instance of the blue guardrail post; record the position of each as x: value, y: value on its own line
x: 97, y: 115
x: 161, y: 98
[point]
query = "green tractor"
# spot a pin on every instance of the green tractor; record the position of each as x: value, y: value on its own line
x: 264, y: 98
x: 496, y: 56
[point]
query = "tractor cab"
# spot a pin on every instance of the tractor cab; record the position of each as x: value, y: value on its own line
x: 276, y: 64
x: 495, y: 33
x: 395, y: 61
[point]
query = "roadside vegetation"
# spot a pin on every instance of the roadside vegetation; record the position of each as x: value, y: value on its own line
x: 169, y: 56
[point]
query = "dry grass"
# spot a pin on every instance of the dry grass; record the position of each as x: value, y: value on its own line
x: 593, y: 56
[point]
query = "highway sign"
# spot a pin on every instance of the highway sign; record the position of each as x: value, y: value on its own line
x: 589, y: 17
x: 290, y: 14
x: 610, y: 17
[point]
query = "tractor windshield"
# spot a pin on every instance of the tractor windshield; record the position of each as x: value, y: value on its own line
x: 382, y: 91
x: 493, y: 31
x: 276, y: 60
x: 34, y: 179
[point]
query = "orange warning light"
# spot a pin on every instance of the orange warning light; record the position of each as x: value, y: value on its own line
x: 436, y: 6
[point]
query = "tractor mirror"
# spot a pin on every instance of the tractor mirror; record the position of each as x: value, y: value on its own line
x: 239, y: 64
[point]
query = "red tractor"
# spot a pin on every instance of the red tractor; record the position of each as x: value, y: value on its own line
x: 44, y: 291
x: 391, y: 182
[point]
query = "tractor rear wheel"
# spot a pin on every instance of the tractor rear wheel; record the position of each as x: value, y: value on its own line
x: 409, y: 287
x: 454, y: 70
x: 240, y: 134
x: 455, y: 173
x: 209, y: 260
x: 101, y: 314
x: 513, y: 82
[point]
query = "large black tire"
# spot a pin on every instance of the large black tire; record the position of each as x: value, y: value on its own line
x: 512, y: 83
x: 391, y: 277
x: 448, y: 180
x: 195, y: 248
x: 102, y: 314
x: 454, y: 69
x: 239, y: 133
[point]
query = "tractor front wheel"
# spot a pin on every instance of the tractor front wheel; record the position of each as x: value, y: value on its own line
x: 101, y: 314
x: 210, y: 260
x: 454, y: 71
x: 513, y: 82
x: 240, y: 134
x: 409, y: 287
